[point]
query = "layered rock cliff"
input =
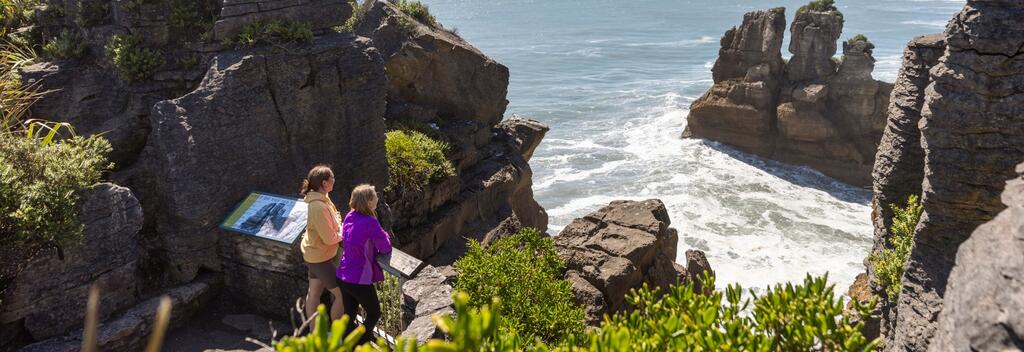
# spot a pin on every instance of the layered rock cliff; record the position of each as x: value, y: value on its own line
x: 812, y: 110
x: 959, y: 95
x: 983, y: 306
x: 218, y: 118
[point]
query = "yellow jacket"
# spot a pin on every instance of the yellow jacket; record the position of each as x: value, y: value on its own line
x: 320, y: 242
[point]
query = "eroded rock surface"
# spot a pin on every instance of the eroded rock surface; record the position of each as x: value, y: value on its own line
x: 620, y: 247
x: 49, y: 296
x: 972, y: 140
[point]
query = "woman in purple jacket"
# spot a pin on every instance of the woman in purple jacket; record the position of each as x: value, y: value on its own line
x: 363, y: 239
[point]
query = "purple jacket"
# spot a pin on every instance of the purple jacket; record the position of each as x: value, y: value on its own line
x: 362, y: 239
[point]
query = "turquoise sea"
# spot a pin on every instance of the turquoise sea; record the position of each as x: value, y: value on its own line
x: 614, y: 79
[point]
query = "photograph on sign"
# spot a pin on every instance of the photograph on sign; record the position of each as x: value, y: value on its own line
x: 269, y: 216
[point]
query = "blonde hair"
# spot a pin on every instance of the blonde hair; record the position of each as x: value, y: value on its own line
x: 360, y: 199
x: 317, y: 175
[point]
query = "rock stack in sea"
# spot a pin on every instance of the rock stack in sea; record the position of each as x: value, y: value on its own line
x: 813, y: 110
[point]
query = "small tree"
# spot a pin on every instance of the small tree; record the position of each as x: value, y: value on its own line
x: 889, y: 262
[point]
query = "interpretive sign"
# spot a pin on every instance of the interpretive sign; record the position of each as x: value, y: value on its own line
x: 270, y: 216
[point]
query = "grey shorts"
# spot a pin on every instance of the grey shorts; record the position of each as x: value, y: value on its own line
x: 325, y: 272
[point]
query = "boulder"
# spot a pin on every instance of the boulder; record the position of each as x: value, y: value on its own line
x: 431, y: 68
x: 48, y: 297
x: 620, y: 247
x: 263, y: 118
x: 427, y: 295
x: 970, y: 142
x: 983, y: 309
x: 130, y: 330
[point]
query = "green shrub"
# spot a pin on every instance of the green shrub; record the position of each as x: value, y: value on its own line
x: 415, y: 160
x: 40, y: 180
x: 184, y: 14
x: 417, y: 10
x: 188, y: 62
x: 526, y: 274
x: 93, y: 13
x: 275, y: 32
x: 857, y: 38
x: 389, y: 293
x: 358, y: 11
x: 133, y: 62
x: 821, y: 6
x: 889, y: 262
x: 15, y: 97
x: 67, y: 45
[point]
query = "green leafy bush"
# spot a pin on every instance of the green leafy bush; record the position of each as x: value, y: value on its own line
x: 93, y: 13
x: 857, y: 38
x: 274, y: 32
x: 40, y: 179
x: 417, y: 10
x: 415, y: 160
x: 821, y: 6
x: 133, y: 61
x: 67, y: 45
x: 526, y: 274
x: 889, y: 262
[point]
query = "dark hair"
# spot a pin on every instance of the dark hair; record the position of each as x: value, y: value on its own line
x: 317, y: 175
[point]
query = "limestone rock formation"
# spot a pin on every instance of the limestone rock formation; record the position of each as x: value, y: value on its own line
x: 983, y: 309
x: 49, y: 296
x: 972, y: 142
x: 739, y: 106
x: 899, y: 164
x: 813, y: 42
x: 619, y: 247
x: 809, y: 110
x: 437, y: 78
x: 216, y: 121
x: 432, y: 69
x: 265, y: 119
x: 319, y: 14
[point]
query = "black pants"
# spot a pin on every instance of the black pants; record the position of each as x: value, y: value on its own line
x: 353, y: 295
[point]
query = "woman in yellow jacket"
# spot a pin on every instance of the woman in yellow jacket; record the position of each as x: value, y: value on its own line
x: 320, y: 242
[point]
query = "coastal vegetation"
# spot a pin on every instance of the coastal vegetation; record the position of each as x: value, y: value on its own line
x: 415, y: 160
x: 133, y: 61
x: 821, y: 6
x: 790, y: 317
x: 889, y: 262
x: 856, y: 39
x: 67, y: 45
x: 524, y: 272
x: 417, y: 10
x: 273, y: 32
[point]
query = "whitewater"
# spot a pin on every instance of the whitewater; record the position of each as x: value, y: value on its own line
x: 614, y: 81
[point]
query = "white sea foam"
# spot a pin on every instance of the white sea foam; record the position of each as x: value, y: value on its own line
x: 679, y: 43
x: 936, y: 24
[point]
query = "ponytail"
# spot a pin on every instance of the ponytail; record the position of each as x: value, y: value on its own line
x: 317, y: 175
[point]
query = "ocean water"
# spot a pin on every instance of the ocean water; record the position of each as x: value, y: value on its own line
x: 614, y: 80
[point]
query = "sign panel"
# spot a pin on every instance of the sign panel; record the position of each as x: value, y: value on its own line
x: 270, y: 216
